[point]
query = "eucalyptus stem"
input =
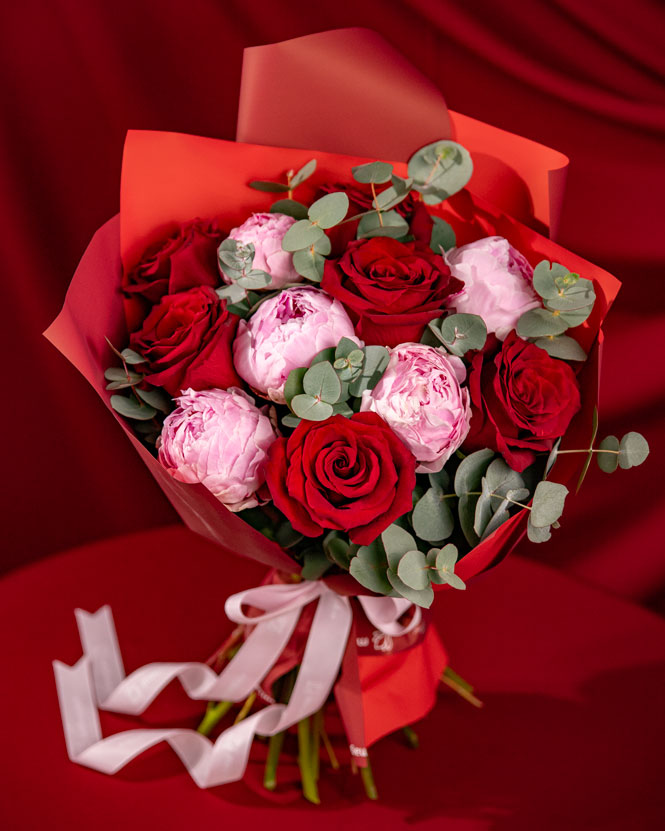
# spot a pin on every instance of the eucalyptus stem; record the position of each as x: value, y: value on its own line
x: 317, y: 721
x: 368, y: 781
x: 456, y: 683
x: 309, y: 787
x: 376, y: 204
x: 411, y: 737
x: 334, y: 763
x: 246, y: 707
x: 213, y: 715
x: 275, y: 744
x: 589, y: 450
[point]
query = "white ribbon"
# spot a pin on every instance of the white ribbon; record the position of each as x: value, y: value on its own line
x: 98, y: 681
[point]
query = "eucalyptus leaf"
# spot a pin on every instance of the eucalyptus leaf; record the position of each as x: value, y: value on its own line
x: 374, y: 365
x: 119, y: 385
x: 345, y: 347
x: 391, y: 224
x: 329, y: 210
x: 343, y: 409
x: 301, y: 235
x: 538, y: 534
x: 309, y: 408
x: 445, y: 562
x: 471, y: 471
x: 389, y: 198
x: 463, y: 332
x: 376, y: 172
x: 466, y: 509
x: 401, y: 186
x: 608, y: 462
x: 562, y: 346
x: 339, y: 551
x: 575, y: 317
x: 396, y: 542
x: 590, y: 454
x: 579, y: 296
x: 548, y: 502
x: 232, y: 294
x: 290, y: 207
x: 440, y: 480
x: 412, y: 570
x: 130, y: 408
x: 326, y: 355
x: 254, y: 279
x: 423, y: 597
x: 117, y: 373
x: 321, y: 381
x: 483, y: 512
x: 309, y: 264
x: 538, y: 323
x: 440, y: 169
x: 633, y: 450
x: 293, y: 385
x: 443, y: 236
x: 369, y: 568
x: 156, y: 398
x: 290, y: 420
x: 316, y: 564
x: 501, y: 478
x: 551, y: 459
x: 304, y: 173
x: 432, y: 518
x: 544, y: 278
x: 132, y: 357
x: 269, y: 187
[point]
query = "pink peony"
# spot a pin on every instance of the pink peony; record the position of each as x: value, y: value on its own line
x: 497, y: 283
x: 420, y: 398
x: 265, y: 232
x: 220, y: 439
x: 286, y: 332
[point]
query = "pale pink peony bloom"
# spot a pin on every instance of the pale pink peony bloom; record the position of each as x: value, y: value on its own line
x: 420, y: 397
x: 286, y: 332
x: 220, y: 439
x: 266, y: 232
x: 497, y: 283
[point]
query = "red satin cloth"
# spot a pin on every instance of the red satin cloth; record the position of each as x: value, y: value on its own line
x: 586, y: 79
x: 571, y: 734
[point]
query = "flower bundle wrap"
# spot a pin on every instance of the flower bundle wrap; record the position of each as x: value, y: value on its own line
x: 98, y: 681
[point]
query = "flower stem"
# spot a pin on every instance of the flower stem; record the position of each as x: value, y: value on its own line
x: 411, y: 737
x: 460, y: 686
x: 588, y: 450
x: 274, y: 749
x: 368, y: 781
x: 317, y: 721
x: 246, y: 707
x: 329, y: 748
x: 213, y: 715
x: 309, y: 788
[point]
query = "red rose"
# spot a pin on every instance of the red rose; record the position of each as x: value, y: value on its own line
x: 390, y: 289
x: 522, y: 401
x: 360, y: 200
x: 188, y: 258
x: 186, y: 342
x: 349, y: 474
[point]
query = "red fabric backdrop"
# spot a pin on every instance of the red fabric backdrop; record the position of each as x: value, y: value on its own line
x: 585, y: 78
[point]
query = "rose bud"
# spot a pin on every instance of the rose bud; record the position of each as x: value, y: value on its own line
x: 349, y: 474
x: 188, y: 258
x: 522, y: 401
x: 186, y: 342
x: 498, y: 283
x: 420, y: 398
x: 266, y: 232
x: 286, y: 332
x: 220, y: 439
x: 391, y: 289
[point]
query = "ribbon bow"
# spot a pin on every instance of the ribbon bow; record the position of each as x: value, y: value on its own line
x: 98, y: 681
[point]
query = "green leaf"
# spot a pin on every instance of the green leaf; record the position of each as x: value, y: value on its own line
x: 343, y: 409
x: 562, y: 346
x: 538, y: 323
x: 401, y: 186
x: 311, y: 409
x: 117, y: 373
x: 633, y: 450
x: 309, y: 264
x: 412, y: 570
x: 130, y: 408
x: 254, y: 279
x: 156, y: 398
x: 440, y: 481
x: 290, y: 420
x: 471, y: 471
x: 232, y: 293
x: 444, y: 562
x: 501, y: 511
x: 324, y: 356
x: 293, y: 385
x: 440, y: 169
x: 377, y: 172
x: 321, y: 381
x: 391, y: 224
x: 374, y: 365
x: 587, y: 461
x: 301, y: 235
x: 287, y: 536
x: 577, y: 296
x: 501, y: 478
x: 369, y: 568
x: 119, y: 385
x: 304, y: 173
x: 132, y: 357
x: 345, y: 347
x: 316, y: 564
x: 423, y: 597
x: 389, y: 198
x: 576, y: 317
x: 463, y: 332
x: 432, y: 518
x: 339, y: 551
x: 466, y: 509
x: 396, y: 542
x: 329, y: 209
x: 269, y: 187
x: 544, y: 278
x: 551, y: 459
x: 290, y: 207
x: 548, y: 502
x: 483, y: 512
x: 538, y: 534
x: 608, y: 462
x: 443, y: 236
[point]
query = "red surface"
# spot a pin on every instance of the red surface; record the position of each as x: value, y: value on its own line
x: 571, y: 735
x: 586, y: 79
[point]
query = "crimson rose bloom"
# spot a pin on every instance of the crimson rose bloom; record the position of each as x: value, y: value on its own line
x: 522, y: 400
x: 390, y: 289
x: 186, y: 342
x: 188, y: 258
x: 349, y: 474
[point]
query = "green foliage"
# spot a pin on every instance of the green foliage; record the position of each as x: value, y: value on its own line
x: 368, y: 567
x: 432, y: 518
x: 329, y: 210
x: 386, y: 224
x: 315, y: 564
x: 375, y: 172
x: 374, y: 365
x: 301, y: 235
x: 460, y: 333
x: 235, y: 260
x: 269, y: 187
x: 443, y: 236
x: 633, y: 450
x: 130, y: 408
x: 290, y: 207
x: 608, y: 462
x: 439, y: 170
x: 304, y: 173
x: 562, y: 346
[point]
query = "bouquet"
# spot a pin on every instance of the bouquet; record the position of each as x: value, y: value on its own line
x: 355, y: 372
